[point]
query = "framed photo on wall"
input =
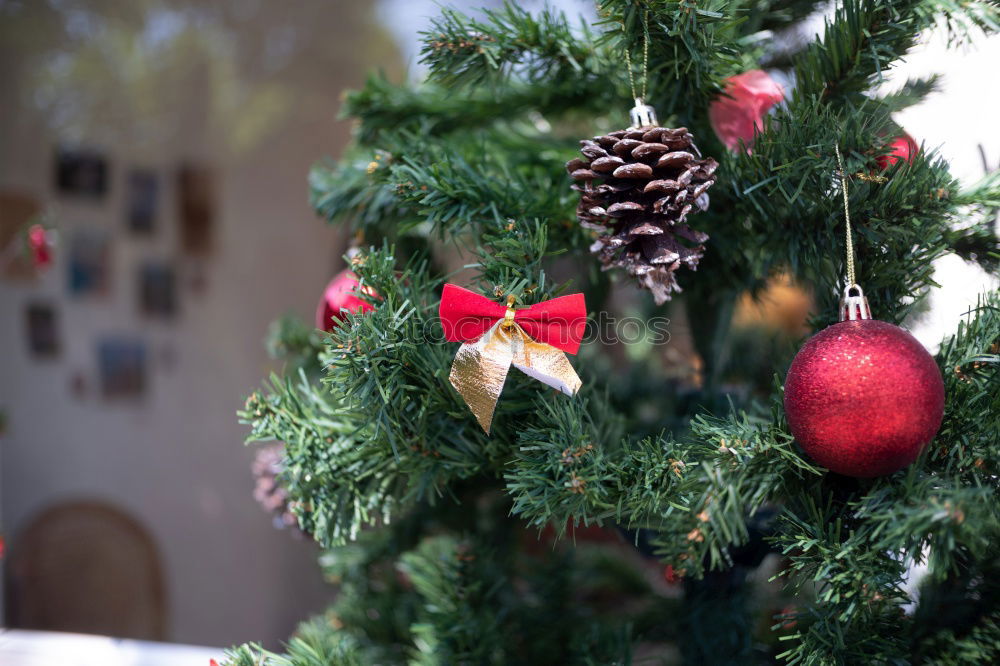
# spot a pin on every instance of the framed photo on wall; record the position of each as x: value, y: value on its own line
x: 42, y: 330
x: 142, y: 194
x: 122, y: 364
x: 196, y: 205
x: 89, y: 263
x: 81, y: 172
x: 157, y: 290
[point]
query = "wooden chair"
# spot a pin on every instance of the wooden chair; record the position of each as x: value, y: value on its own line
x: 86, y: 567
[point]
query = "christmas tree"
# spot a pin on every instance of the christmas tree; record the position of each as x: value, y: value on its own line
x: 663, y: 513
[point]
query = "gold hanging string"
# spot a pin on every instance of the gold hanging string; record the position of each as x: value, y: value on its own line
x: 847, y: 219
x: 645, y: 60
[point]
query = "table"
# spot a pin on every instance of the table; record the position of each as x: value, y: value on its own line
x: 20, y: 647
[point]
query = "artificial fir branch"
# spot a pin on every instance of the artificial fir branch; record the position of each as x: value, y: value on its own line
x: 388, y: 471
x: 458, y: 583
x: 912, y: 92
x: 435, y: 110
x: 692, y: 47
x: 346, y: 189
x: 778, y: 14
x: 510, y: 41
x: 859, y: 44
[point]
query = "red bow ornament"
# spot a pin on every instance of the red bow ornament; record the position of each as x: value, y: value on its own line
x: 534, y: 340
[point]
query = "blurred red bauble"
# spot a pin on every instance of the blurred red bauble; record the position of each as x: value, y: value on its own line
x: 340, y: 294
x: 788, y: 616
x: 863, y: 398
x: 901, y: 148
x: 38, y: 243
x: 741, y: 109
x: 671, y: 575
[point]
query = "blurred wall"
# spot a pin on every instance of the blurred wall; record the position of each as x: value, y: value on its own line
x: 250, y: 90
x: 958, y: 123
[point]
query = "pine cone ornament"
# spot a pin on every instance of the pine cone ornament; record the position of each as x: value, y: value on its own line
x: 268, y: 465
x: 637, y: 187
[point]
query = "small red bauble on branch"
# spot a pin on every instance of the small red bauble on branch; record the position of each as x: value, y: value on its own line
x: 901, y: 148
x: 863, y: 397
x: 740, y: 110
x: 340, y: 295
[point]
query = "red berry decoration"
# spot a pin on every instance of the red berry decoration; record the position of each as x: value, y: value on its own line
x: 902, y: 148
x: 863, y: 397
x: 340, y: 295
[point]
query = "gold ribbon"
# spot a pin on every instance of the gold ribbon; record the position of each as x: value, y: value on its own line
x: 480, y: 367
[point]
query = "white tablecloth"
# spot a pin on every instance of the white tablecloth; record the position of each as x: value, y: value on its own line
x: 19, y: 647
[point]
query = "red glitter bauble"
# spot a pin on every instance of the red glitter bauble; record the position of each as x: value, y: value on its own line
x: 340, y: 294
x: 863, y: 398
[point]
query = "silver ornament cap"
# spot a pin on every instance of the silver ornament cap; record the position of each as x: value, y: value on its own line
x: 642, y: 114
x: 854, y: 304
